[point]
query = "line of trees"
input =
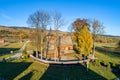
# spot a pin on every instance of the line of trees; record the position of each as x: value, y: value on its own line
x: 85, y: 33
x: 41, y: 20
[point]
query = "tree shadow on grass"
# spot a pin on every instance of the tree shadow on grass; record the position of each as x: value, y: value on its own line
x: 7, y: 50
x: 108, y: 51
x: 27, y: 76
x: 116, y: 70
x: 10, y: 70
x: 70, y: 72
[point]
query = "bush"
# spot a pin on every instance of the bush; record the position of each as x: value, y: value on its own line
x: 113, y: 65
x: 3, y: 60
x: 105, y: 63
x: 108, y: 66
x: 9, y: 59
x: 24, y: 52
x: 26, y: 56
x: 97, y: 62
x: 119, y: 68
x: 90, y: 66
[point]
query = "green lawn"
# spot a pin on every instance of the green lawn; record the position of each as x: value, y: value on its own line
x: 6, y: 49
x: 12, y: 45
x: 108, y: 57
x: 30, y: 46
x: 105, y: 44
x: 33, y: 70
x: 5, y: 56
x: 107, y: 74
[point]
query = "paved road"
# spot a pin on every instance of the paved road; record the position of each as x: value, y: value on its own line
x: 18, y: 54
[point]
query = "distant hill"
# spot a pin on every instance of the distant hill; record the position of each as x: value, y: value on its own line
x: 20, y: 32
x: 25, y: 32
x: 14, y: 27
x: 14, y: 32
x: 111, y: 36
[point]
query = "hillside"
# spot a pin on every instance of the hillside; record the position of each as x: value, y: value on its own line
x: 111, y: 36
x: 20, y: 32
x: 14, y: 32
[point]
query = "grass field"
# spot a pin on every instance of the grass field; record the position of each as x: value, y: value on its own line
x: 34, y: 70
x: 30, y: 69
x: 5, y: 49
x: 108, y: 54
x: 30, y: 46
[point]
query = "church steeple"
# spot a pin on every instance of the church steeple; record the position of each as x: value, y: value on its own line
x: 50, y: 28
x: 50, y: 31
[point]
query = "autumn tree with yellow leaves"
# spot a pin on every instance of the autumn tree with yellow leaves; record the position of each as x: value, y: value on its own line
x: 83, y: 37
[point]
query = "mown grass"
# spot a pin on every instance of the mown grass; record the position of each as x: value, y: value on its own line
x: 12, y: 45
x: 9, y: 70
x: 6, y: 56
x: 106, y: 57
x: 107, y: 54
x: 39, y: 71
x: 30, y: 69
x: 34, y: 70
x: 104, y: 72
x: 106, y: 44
x: 30, y: 46
x: 5, y: 50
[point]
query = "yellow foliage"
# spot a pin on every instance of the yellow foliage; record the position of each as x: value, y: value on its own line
x: 21, y: 35
x: 84, y: 40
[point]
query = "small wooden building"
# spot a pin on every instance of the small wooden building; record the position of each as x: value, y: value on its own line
x: 65, y: 46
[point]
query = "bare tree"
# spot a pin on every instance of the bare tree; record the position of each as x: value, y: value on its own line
x: 97, y: 29
x: 40, y: 20
x: 45, y: 21
x: 58, y: 22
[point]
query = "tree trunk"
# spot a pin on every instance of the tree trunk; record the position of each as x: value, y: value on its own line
x: 55, y: 54
x: 41, y: 43
x: 55, y: 50
x: 36, y: 42
x: 37, y: 52
x: 93, y: 50
x: 47, y: 45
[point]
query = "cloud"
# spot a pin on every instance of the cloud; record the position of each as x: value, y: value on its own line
x: 5, y: 16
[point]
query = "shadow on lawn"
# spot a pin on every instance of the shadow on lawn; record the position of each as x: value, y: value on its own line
x: 116, y: 70
x: 107, y: 50
x: 27, y: 76
x: 10, y: 70
x: 70, y: 72
x: 7, y: 50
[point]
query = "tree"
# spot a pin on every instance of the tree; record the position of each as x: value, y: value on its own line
x: 97, y: 29
x: 83, y: 37
x: 78, y: 24
x: 40, y: 20
x: 58, y: 22
x: 22, y: 35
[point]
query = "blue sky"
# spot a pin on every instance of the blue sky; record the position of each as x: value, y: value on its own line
x: 16, y: 12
